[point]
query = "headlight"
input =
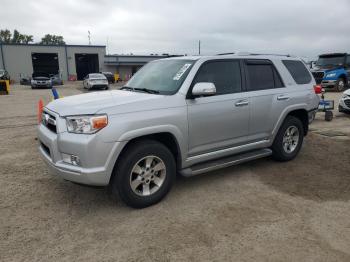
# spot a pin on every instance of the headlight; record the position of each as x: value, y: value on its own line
x: 331, y: 75
x: 32, y: 81
x: 345, y: 96
x: 86, y: 124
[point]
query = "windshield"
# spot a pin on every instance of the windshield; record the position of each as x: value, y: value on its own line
x: 330, y: 61
x: 163, y: 76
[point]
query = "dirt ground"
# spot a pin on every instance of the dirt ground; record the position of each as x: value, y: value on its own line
x: 258, y: 211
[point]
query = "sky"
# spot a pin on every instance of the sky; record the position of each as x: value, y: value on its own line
x: 304, y: 28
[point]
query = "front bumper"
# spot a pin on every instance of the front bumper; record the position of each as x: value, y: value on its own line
x: 344, y: 104
x: 328, y: 83
x: 97, y: 158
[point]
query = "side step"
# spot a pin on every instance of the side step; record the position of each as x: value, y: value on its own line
x: 224, y: 162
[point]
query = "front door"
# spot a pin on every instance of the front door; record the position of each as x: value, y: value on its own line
x: 220, y: 121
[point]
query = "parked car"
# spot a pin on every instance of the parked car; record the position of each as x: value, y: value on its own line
x: 56, y: 79
x: 40, y: 80
x: 4, y: 75
x: 95, y: 81
x: 26, y: 81
x: 186, y: 115
x: 344, y: 102
x: 110, y: 77
x: 333, y: 71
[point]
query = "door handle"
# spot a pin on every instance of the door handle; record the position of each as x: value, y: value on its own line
x: 242, y: 103
x: 282, y: 97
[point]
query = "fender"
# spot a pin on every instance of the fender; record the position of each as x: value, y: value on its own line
x: 283, y: 116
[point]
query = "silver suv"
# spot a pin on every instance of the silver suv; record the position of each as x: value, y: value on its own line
x: 186, y: 115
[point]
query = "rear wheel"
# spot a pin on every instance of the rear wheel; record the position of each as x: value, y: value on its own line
x: 144, y: 174
x: 340, y: 85
x: 288, y: 140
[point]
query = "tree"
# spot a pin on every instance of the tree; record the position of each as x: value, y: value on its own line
x: 27, y: 39
x: 5, y: 36
x: 52, y: 40
x: 17, y: 38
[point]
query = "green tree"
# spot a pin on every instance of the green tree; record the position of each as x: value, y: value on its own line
x: 5, y: 36
x: 27, y: 39
x: 52, y: 40
x: 19, y: 38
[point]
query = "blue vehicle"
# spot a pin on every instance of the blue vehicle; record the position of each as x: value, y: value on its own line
x: 333, y: 71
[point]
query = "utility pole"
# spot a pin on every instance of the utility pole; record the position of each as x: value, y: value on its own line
x: 199, y: 47
x: 89, y: 37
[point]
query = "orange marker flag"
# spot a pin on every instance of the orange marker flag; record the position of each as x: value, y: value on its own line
x: 40, y: 109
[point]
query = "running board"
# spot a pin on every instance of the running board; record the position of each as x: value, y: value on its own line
x: 224, y: 162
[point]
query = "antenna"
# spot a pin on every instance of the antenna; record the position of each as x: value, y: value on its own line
x: 89, y: 37
x: 199, y: 47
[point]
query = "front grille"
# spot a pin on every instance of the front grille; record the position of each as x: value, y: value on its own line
x: 49, y: 121
x: 318, y: 76
x: 347, y: 102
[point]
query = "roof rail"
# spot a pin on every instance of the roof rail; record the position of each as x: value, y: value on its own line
x: 287, y: 55
x: 255, y: 54
x: 231, y: 53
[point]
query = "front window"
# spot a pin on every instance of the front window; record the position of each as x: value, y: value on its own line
x: 161, y: 76
x: 326, y: 61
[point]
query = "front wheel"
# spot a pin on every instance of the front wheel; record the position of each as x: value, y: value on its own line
x: 340, y: 85
x: 288, y: 140
x: 144, y: 174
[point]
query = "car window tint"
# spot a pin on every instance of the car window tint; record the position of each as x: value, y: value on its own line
x: 298, y: 71
x: 278, y: 80
x: 260, y: 76
x: 225, y: 75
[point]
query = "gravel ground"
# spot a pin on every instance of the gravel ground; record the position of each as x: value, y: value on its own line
x: 258, y: 211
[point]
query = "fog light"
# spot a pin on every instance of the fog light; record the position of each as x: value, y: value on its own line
x: 71, y: 159
x: 75, y: 160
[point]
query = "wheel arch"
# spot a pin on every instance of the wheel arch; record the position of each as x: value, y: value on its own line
x: 297, y: 111
x: 343, y: 75
x: 166, y: 138
x: 303, y: 115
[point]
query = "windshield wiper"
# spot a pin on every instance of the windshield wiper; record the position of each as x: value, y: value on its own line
x: 127, y: 88
x: 150, y: 91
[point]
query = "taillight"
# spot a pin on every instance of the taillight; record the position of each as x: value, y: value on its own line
x: 318, y: 89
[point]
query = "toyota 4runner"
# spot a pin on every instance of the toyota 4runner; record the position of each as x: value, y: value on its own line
x: 186, y: 115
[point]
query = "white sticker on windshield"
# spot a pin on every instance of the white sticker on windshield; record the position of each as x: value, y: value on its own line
x: 181, y: 71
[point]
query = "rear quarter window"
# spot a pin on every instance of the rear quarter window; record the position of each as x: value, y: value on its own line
x: 298, y: 71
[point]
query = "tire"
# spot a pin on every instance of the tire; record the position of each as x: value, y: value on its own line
x: 328, y: 116
x: 107, y: 87
x: 280, y: 150
x: 33, y: 87
x: 135, y: 157
x: 340, y: 86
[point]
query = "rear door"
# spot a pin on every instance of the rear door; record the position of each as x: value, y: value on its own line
x: 268, y: 98
x: 220, y: 121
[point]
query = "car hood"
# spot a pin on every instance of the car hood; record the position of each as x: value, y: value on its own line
x: 101, y: 102
x: 326, y: 68
x: 347, y: 92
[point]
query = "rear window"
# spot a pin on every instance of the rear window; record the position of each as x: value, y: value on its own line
x: 298, y: 71
x: 262, y: 75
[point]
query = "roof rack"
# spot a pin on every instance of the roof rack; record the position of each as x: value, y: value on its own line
x: 232, y: 53
x: 254, y: 54
x: 287, y: 55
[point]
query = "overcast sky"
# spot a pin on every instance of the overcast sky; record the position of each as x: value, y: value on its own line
x: 301, y: 27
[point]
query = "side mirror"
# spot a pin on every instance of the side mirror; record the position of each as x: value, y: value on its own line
x: 204, y: 89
